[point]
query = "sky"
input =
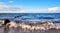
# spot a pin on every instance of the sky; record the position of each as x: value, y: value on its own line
x: 29, y: 6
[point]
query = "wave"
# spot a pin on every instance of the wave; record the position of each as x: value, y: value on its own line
x: 34, y: 17
x: 32, y: 25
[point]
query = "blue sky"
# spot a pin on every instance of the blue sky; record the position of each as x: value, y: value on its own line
x: 32, y: 6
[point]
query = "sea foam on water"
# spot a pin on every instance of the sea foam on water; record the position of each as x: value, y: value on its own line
x: 43, y: 26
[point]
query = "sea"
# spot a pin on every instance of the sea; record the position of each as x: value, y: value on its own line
x: 30, y: 17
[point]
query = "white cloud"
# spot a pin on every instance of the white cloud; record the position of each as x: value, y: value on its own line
x: 54, y: 9
x: 48, y: 10
x: 11, y: 9
x: 11, y: 1
x: 8, y: 9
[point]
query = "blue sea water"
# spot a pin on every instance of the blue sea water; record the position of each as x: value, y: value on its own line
x: 34, y: 17
x: 30, y: 17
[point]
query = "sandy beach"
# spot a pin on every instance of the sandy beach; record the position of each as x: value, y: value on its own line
x: 17, y: 30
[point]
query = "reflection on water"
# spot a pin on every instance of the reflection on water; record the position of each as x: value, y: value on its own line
x: 6, y: 30
x: 18, y: 30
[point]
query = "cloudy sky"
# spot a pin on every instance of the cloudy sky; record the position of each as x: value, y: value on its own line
x: 29, y: 6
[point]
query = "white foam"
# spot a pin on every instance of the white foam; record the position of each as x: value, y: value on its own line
x: 44, y: 26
